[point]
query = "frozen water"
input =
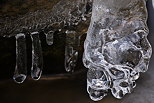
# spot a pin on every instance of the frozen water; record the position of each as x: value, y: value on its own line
x: 21, y: 59
x: 49, y: 37
x: 55, y: 14
x: 71, y: 50
x: 116, y: 49
x: 153, y: 3
x: 37, y: 58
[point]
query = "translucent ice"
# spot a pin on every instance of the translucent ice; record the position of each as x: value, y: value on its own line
x: 116, y: 49
x: 153, y: 3
x: 49, y: 37
x: 37, y: 58
x: 21, y: 59
x: 71, y: 50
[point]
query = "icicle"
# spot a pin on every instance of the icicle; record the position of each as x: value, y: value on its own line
x: 21, y: 59
x: 153, y: 3
x: 37, y: 58
x: 49, y: 37
x: 71, y: 50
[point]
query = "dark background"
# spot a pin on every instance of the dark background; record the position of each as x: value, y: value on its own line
x: 65, y: 88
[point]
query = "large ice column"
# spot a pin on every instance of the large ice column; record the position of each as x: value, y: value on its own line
x: 37, y: 57
x: 116, y: 49
x: 21, y: 59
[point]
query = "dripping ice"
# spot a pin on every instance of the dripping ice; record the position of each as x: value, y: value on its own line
x: 21, y: 59
x: 49, y: 37
x: 37, y: 58
x: 116, y: 49
x: 71, y: 50
x: 48, y: 21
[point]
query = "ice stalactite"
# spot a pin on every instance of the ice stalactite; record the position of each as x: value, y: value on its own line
x: 71, y: 50
x: 21, y: 59
x: 58, y: 15
x: 37, y: 57
x: 153, y: 3
x: 49, y: 37
x: 116, y: 49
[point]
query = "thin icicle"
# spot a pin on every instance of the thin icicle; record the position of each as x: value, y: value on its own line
x: 49, y: 37
x: 21, y: 59
x: 71, y: 50
x: 37, y: 58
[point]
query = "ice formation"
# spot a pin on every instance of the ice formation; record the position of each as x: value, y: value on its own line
x: 71, y: 50
x: 21, y: 59
x: 116, y: 49
x: 49, y: 37
x: 64, y: 16
x: 55, y: 15
x: 37, y: 58
x: 153, y: 3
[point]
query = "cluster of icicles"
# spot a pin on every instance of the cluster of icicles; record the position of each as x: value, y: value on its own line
x: 71, y: 54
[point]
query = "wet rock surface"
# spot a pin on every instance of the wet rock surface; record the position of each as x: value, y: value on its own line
x: 41, y: 15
